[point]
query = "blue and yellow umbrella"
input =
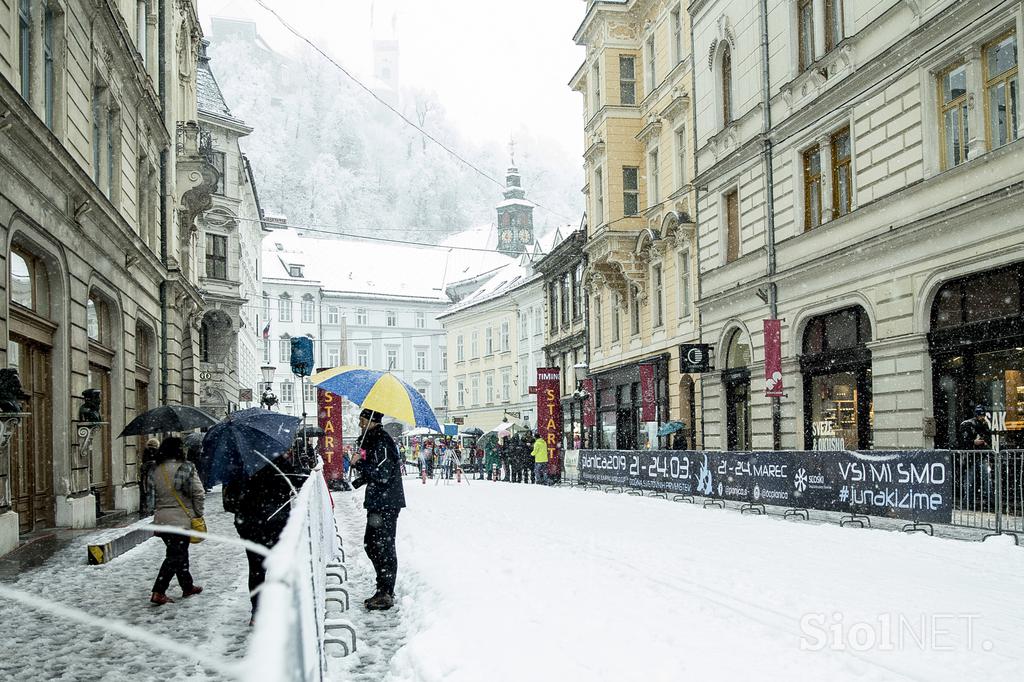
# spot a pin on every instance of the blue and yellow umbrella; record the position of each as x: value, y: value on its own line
x: 379, y: 391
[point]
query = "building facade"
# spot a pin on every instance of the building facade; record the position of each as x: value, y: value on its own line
x: 641, y: 242
x: 230, y: 247
x: 865, y: 179
x: 103, y: 172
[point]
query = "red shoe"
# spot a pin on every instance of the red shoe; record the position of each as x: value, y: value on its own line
x: 195, y: 589
x: 159, y: 598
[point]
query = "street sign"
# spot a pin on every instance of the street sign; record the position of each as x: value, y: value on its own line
x: 695, y: 358
x: 245, y: 395
x: 459, y: 420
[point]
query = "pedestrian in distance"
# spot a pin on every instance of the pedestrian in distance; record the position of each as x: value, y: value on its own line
x: 515, y: 457
x: 385, y: 498
x: 492, y: 463
x: 528, y: 474
x: 261, y: 504
x: 540, y: 459
x: 975, y: 433
x: 176, y: 495
x: 148, y: 462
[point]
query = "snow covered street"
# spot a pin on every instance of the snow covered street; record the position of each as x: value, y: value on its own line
x: 508, y: 582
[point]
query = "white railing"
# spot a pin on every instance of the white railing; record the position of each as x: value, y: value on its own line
x: 288, y: 637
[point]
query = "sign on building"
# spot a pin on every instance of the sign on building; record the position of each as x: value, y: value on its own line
x: 329, y: 414
x: 549, y: 414
x: 695, y: 358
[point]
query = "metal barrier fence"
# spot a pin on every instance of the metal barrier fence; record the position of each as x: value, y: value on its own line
x: 988, y: 490
x: 288, y: 641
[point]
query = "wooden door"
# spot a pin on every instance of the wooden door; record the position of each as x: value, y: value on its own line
x: 32, y: 448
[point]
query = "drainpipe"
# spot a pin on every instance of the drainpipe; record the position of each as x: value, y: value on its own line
x: 773, y: 305
x: 696, y: 222
x: 164, y: 284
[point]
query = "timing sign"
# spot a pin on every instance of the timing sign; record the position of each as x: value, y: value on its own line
x: 694, y: 358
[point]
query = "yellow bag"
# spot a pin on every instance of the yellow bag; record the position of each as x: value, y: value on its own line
x: 198, y: 525
x: 198, y: 522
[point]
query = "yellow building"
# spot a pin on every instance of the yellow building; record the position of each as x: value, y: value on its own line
x: 641, y: 249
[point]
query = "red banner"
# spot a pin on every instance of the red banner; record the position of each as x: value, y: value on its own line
x: 772, y: 359
x: 329, y: 419
x: 648, y: 400
x: 589, y: 405
x: 549, y: 414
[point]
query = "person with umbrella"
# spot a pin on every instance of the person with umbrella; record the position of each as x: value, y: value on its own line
x: 176, y: 495
x: 148, y: 462
x: 379, y: 471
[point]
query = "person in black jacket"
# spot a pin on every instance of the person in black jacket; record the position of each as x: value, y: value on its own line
x: 261, y: 504
x: 380, y: 472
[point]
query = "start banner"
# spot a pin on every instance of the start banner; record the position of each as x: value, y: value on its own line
x: 912, y: 485
x: 549, y: 414
x: 329, y: 419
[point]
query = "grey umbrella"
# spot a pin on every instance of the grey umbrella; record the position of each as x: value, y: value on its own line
x: 168, y: 418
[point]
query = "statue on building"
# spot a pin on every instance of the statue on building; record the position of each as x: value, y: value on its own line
x: 91, y: 410
x: 11, y: 393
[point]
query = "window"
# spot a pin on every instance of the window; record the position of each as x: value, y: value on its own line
x: 423, y: 392
x: 505, y: 340
x: 652, y: 178
x: 474, y: 387
x: 732, y: 226
x: 25, y: 47
x: 598, y: 197
x: 524, y: 325
x: 658, y: 292
x: 444, y: 361
x: 489, y: 388
x: 284, y: 350
x: 953, y: 113
x: 309, y: 392
x: 141, y: 12
x: 333, y: 357
x: 726, y: 85
x: 805, y: 33
x: 627, y: 79
x: 842, y: 190
x: 474, y: 345
x: 220, y: 163
x: 459, y: 348
x: 49, y: 21
x: 308, y: 309
x: 538, y: 321
x: 332, y: 315
x: 96, y: 320
x: 577, y: 292
x: 295, y: 271
x: 506, y: 384
x: 361, y: 318
x: 460, y: 393
x: 392, y: 318
x: 812, y: 187
x: 681, y: 157
x: 564, y: 288
x: 1001, y: 90
x: 287, y: 392
x: 684, y: 283
x: 630, y: 190
x: 105, y: 141
x: 421, y: 321
x: 634, y: 311
x: 392, y: 357
x: 616, y: 317
x: 488, y: 341
x: 677, y: 36
x: 833, y: 24
x: 553, y: 304
x: 421, y: 360
x: 363, y: 356
x: 284, y: 308
x: 216, y: 256
x: 651, y: 73
x: 266, y: 352
x: 598, y: 321
x: 597, y: 87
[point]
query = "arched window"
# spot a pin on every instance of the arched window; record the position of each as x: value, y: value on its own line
x: 736, y: 379
x: 99, y: 324
x: 836, y: 368
x: 726, y: 84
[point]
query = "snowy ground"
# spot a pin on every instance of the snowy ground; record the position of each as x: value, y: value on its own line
x: 506, y: 582
x: 44, y: 647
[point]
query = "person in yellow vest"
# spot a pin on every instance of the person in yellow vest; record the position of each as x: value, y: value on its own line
x: 540, y: 460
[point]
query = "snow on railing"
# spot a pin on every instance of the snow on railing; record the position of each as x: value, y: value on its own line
x: 288, y: 637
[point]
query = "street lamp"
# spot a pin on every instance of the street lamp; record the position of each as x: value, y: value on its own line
x: 580, y: 371
x: 268, y: 399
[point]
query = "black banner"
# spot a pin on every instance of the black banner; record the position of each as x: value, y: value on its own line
x: 912, y: 485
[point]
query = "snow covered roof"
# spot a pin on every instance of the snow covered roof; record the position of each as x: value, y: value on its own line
x: 208, y: 95
x: 517, y: 202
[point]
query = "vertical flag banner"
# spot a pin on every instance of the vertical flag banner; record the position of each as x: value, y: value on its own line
x: 329, y: 419
x: 772, y: 359
x: 589, y: 405
x: 549, y: 414
x: 648, y: 401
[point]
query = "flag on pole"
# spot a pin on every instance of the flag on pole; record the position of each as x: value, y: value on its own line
x: 266, y: 331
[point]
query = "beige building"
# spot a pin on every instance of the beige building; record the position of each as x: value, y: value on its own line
x: 641, y: 249
x: 865, y: 176
x: 103, y: 171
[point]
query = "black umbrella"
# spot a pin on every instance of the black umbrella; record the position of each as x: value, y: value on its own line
x: 246, y: 441
x: 473, y: 431
x: 309, y: 432
x: 167, y: 418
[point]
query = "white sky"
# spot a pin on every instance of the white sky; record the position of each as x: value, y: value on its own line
x: 495, y: 65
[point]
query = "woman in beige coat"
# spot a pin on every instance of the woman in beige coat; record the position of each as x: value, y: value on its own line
x: 176, y: 494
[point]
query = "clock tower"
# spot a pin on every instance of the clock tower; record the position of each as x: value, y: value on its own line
x: 515, y: 213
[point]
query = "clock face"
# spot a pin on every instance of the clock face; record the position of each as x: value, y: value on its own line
x: 506, y: 236
x: 524, y: 236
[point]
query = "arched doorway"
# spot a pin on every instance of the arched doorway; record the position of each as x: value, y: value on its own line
x: 687, y: 413
x: 736, y: 381
x: 836, y: 368
x: 100, y: 328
